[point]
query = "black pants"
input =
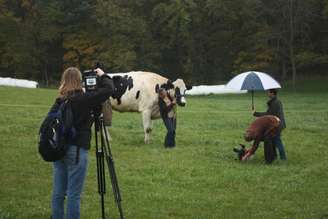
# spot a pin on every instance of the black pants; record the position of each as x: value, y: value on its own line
x: 170, y: 124
x: 270, y: 153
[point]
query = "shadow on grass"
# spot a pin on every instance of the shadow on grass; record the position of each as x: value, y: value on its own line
x: 6, y: 215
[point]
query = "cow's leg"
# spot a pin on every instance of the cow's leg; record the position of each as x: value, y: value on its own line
x: 147, y: 124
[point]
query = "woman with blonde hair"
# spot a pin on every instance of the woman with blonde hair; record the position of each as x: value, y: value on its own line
x: 69, y: 172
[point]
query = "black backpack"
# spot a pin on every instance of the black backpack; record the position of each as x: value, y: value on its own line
x: 56, y: 131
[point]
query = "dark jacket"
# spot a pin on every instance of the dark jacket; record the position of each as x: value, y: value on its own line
x: 274, y: 108
x: 163, y: 108
x: 82, y: 105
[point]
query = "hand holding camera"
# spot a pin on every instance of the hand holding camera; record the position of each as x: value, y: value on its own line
x: 99, y: 72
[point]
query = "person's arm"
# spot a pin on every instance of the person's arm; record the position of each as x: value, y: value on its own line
x: 165, y: 108
x: 274, y: 109
x: 259, y: 114
x: 252, y: 150
x: 255, y: 145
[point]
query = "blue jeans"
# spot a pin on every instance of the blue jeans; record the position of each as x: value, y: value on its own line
x: 68, y: 181
x: 170, y: 124
x: 278, y: 143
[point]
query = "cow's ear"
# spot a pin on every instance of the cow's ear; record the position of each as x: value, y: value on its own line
x: 188, y: 87
x: 157, y: 88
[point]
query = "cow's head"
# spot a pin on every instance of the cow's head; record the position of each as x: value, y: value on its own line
x: 180, y: 89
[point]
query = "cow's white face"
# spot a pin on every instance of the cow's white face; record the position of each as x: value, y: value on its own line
x: 179, y: 91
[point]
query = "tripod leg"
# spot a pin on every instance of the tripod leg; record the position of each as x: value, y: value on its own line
x: 112, y: 173
x: 101, y: 180
x: 100, y: 174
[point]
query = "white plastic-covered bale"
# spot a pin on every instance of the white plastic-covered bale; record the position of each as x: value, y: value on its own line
x: 18, y: 82
x: 212, y: 89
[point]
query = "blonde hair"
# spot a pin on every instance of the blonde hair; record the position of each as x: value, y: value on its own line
x: 71, y: 80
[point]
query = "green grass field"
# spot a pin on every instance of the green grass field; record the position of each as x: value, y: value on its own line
x: 200, y: 178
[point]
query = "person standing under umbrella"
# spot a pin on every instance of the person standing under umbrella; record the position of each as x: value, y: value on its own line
x: 167, y: 109
x: 275, y: 108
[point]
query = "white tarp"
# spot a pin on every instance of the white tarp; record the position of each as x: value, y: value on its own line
x: 212, y: 89
x: 18, y: 82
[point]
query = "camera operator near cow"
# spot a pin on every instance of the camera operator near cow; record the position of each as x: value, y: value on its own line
x: 167, y: 108
x: 69, y: 173
x: 275, y: 108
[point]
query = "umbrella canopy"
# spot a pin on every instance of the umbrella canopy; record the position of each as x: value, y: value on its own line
x: 253, y: 80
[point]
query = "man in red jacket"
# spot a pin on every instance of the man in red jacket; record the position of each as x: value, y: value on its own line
x: 264, y: 128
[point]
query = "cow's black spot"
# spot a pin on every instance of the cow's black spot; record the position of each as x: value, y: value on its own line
x: 156, y: 88
x: 121, y: 85
x: 129, y: 81
x: 138, y: 93
x: 168, y: 85
x: 148, y: 130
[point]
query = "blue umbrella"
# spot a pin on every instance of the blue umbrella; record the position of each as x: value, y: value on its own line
x: 253, y: 81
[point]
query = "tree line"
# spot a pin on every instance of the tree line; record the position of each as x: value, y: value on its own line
x: 201, y: 41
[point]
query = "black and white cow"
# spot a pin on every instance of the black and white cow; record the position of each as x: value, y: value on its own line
x: 138, y: 92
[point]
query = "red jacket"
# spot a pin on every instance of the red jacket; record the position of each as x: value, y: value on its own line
x: 262, y: 127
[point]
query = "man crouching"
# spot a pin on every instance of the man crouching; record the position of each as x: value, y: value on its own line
x: 264, y: 128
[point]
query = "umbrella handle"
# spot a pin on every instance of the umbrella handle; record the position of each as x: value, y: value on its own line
x: 252, y: 100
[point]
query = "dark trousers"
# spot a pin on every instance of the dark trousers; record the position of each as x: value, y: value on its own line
x: 270, y: 153
x: 170, y: 124
x: 278, y: 143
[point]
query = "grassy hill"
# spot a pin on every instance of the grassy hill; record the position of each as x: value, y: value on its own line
x: 200, y: 178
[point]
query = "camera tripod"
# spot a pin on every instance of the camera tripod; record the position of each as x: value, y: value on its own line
x: 103, y: 151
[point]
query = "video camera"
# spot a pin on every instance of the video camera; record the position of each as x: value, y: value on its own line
x: 90, y: 80
x: 240, y: 151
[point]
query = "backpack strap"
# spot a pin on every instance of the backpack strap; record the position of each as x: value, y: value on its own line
x: 73, y: 132
x: 77, y: 154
